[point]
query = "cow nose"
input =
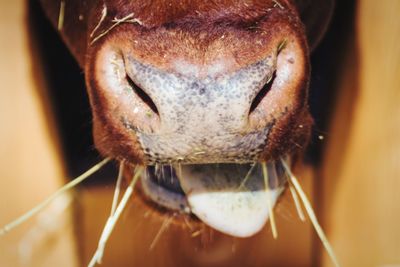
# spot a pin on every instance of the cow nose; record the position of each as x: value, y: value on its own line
x: 197, y: 100
x: 200, y: 112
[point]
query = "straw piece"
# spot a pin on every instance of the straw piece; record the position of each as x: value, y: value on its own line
x: 311, y: 214
x: 270, y: 210
x: 47, y: 201
x: 297, y: 203
x: 61, y: 15
x: 117, y: 187
x: 113, y: 219
x: 103, y: 16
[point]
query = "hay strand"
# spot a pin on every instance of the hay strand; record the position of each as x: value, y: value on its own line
x: 293, y: 180
x: 103, y: 16
x: 269, y: 202
x: 117, y: 187
x: 247, y: 177
x: 163, y: 227
x: 47, y: 201
x: 297, y: 203
x: 61, y: 15
x: 128, y: 18
x: 113, y: 219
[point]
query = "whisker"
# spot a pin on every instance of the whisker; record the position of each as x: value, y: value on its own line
x: 293, y: 180
x: 163, y: 227
x: 162, y: 173
x: 273, y: 177
x: 270, y: 210
x: 157, y: 170
x: 205, y: 235
x: 117, y: 187
x: 210, y: 234
x: 188, y: 224
x: 171, y: 169
x: 47, y: 201
x: 180, y: 169
x: 196, y: 233
x: 112, y: 220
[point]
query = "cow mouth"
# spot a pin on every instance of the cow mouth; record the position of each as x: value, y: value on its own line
x: 234, y: 199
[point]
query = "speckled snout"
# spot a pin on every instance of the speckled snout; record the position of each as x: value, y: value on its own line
x: 202, y: 114
x: 204, y: 109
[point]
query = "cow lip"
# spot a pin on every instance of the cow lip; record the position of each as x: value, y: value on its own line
x: 176, y: 188
x: 160, y: 184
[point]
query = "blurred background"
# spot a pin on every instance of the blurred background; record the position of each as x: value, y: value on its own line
x: 352, y: 169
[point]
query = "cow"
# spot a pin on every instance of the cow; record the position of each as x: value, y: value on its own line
x: 210, y: 97
x: 355, y: 193
x: 193, y: 85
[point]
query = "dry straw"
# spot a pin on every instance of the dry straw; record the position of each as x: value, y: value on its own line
x: 311, y: 215
x: 47, y: 201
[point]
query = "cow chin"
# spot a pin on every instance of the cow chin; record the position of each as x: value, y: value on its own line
x: 211, y: 119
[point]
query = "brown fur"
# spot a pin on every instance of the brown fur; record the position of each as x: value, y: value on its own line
x: 82, y: 16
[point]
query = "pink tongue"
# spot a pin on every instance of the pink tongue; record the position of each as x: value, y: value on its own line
x: 216, y: 197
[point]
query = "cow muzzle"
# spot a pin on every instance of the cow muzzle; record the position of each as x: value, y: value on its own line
x: 202, y: 126
x: 199, y: 113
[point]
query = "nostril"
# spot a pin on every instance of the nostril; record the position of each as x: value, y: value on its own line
x: 262, y: 93
x: 142, y: 95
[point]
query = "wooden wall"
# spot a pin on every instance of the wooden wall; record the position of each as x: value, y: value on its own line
x: 30, y: 164
x: 361, y: 173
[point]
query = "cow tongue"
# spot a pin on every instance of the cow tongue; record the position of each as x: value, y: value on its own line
x: 217, y: 196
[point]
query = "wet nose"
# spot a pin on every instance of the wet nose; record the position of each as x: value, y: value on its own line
x: 199, y: 103
x: 203, y: 112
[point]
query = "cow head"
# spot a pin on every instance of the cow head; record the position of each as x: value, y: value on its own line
x: 200, y: 92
